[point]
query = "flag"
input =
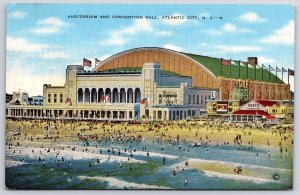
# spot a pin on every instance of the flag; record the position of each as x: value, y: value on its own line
x: 144, y: 101
x: 97, y: 61
x: 264, y: 67
x: 278, y: 69
x: 102, y: 98
x: 243, y: 63
x: 284, y: 70
x: 225, y: 62
x: 107, y: 98
x: 235, y: 63
x: 250, y: 65
x: 87, y: 62
x: 271, y: 68
x: 291, y: 72
x: 68, y: 101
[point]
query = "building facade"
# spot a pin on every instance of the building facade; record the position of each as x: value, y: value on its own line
x: 150, y: 83
x: 121, y: 94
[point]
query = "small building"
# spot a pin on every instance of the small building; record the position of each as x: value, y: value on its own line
x: 8, y: 97
x: 218, y: 108
x: 255, y: 110
x: 36, y: 100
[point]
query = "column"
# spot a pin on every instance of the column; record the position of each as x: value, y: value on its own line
x: 133, y: 97
x: 90, y: 96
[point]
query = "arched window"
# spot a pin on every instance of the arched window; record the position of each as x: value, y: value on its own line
x: 115, y: 95
x: 80, y: 95
x: 101, y: 96
x: 107, y: 95
x: 137, y: 95
x: 122, y: 95
x: 87, y: 95
x: 129, y: 95
x: 94, y: 95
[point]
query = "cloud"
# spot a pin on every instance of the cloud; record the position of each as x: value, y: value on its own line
x: 173, y: 47
x: 284, y: 35
x: 227, y: 49
x: 115, y: 39
x: 229, y: 27
x: 266, y: 60
x: 165, y: 33
x: 44, y: 51
x: 54, y: 55
x: 175, y: 19
x: 252, y: 17
x: 24, y: 79
x: 236, y: 48
x: 50, y: 25
x: 23, y: 45
x: 141, y: 25
x: 104, y: 57
x: 17, y: 15
x: 119, y: 37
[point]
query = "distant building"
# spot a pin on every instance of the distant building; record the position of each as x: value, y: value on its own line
x: 36, y: 100
x: 8, y: 97
x: 263, y: 109
x: 218, y: 108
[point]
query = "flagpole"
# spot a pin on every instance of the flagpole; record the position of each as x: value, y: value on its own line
x: 282, y: 75
x: 221, y: 65
x: 247, y: 70
x: 239, y: 69
x: 262, y: 73
x: 288, y: 76
x: 269, y: 72
x: 276, y: 74
x: 255, y: 72
x: 230, y: 68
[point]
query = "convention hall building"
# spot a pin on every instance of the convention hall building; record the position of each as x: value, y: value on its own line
x: 150, y: 83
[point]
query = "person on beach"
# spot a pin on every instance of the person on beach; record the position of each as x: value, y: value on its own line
x: 186, y: 181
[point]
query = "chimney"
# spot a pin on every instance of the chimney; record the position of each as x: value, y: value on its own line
x: 252, y: 60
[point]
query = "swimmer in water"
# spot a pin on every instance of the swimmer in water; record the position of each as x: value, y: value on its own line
x: 186, y: 181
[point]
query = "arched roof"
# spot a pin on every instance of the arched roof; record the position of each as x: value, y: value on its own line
x: 202, y: 69
x: 169, y: 60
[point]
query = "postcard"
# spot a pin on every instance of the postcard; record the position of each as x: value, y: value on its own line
x: 136, y: 96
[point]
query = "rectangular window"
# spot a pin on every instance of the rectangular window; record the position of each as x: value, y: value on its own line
x: 193, y: 99
x: 55, y: 98
x: 61, y: 98
x: 160, y: 98
x: 193, y: 113
x: 190, y: 99
x: 49, y: 98
x: 201, y: 99
x: 198, y: 99
x: 205, y: 98
x: 159, y: 114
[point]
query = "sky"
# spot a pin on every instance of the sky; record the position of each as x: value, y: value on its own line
x: 42, y: 39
